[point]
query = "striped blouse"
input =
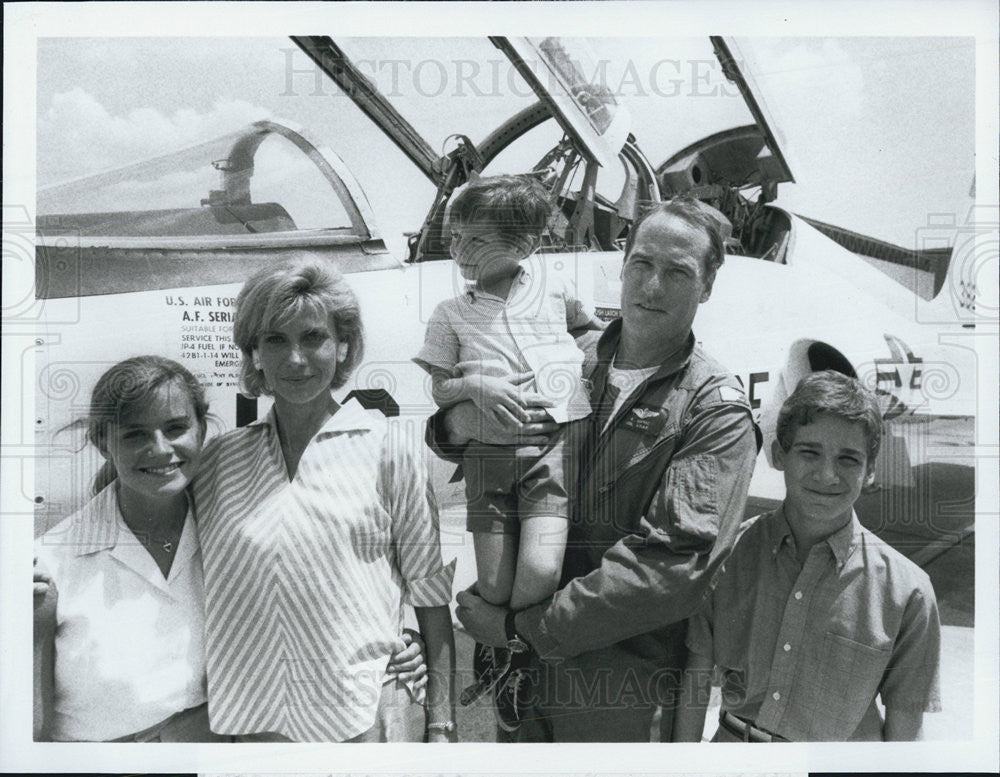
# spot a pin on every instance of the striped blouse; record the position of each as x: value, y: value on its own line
x: 305, y: 579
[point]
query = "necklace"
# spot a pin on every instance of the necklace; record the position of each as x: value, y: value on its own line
x: 167, y: 543
x: 149, y: 540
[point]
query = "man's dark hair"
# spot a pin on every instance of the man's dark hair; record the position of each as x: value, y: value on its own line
x: 515, y: 204
x: 697, y: 215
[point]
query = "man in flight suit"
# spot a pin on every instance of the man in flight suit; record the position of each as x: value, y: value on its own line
x: 664, y: 467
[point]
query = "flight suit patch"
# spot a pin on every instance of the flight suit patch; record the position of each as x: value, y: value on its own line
x: 730, y: 394
x: 646, y: 420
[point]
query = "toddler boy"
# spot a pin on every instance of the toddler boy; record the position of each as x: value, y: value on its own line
x: 513, y: 319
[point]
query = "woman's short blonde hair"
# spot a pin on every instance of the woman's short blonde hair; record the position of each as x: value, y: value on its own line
x: 279, y: 293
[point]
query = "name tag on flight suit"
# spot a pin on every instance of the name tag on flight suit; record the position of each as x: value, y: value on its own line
x: 646, y: 420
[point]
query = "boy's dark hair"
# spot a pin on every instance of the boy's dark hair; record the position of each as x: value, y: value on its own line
x: 516, y: 204
x: 697, y: 215
x: 836, y: 394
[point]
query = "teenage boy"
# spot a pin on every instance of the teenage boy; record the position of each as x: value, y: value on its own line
x: 813, y: 616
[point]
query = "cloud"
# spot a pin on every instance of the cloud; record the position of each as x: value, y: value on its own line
x: 77, y: 135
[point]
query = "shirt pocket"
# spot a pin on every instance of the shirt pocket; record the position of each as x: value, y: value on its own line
x: 540, y: 315
x: 850, y: 673
x: 370, y: 530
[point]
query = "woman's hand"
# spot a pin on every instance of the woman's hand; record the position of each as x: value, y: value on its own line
x: 45, y: 600
x: 409, y: 665
x: 41, y: 581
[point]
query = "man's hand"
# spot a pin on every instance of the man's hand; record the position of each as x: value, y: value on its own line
x: 483, y: 621
x: 466, y: 422
x: 498, y: 398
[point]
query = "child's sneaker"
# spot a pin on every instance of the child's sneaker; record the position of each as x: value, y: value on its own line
x: 490, y: 667
x: 512, y: 697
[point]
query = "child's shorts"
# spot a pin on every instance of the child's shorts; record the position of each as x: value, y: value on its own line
x: 506, y: 484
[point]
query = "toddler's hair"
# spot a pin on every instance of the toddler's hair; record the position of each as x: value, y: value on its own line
x: 515, y: 204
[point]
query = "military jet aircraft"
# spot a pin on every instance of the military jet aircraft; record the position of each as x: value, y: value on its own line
x: 148, y: 258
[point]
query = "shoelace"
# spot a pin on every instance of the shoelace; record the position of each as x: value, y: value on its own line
x: 515, y: 681
x: 491, y: 677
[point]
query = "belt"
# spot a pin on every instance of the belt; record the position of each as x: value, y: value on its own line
x: 745, y: 730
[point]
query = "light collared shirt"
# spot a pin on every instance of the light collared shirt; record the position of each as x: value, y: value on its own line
x: 306, y: 578
x: 478, y: 333
x: 805, y: 648
x: 129, y: 642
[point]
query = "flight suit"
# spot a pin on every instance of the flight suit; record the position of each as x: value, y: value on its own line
x: 661, y: 494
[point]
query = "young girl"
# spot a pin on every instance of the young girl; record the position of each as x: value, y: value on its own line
x: 119, y: 641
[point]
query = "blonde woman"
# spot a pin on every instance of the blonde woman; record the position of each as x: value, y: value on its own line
x: 316, y: 525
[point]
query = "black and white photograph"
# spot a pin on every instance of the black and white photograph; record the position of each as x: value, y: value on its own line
x: 289, y: 286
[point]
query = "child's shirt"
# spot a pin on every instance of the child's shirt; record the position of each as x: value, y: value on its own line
x: 480, y: 333
x: 804, y: 650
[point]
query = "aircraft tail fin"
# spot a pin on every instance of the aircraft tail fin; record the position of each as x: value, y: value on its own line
x: 972, y: 256
x: 943, y: 267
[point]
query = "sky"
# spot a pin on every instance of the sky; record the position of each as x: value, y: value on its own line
x: 883, y: 129
x: 880, y: 131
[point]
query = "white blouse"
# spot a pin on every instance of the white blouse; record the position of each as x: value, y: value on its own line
x: 130, y: 647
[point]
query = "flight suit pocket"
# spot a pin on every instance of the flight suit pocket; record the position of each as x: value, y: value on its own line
x: 692, y: 502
